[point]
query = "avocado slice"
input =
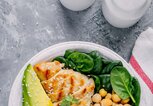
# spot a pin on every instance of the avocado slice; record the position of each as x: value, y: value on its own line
x: 32, y: 90
x: 25, y: 98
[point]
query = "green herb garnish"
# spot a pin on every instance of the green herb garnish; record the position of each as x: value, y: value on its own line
x: 69, y: 100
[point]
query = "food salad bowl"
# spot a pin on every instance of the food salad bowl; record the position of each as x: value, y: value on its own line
x: 51, y: 52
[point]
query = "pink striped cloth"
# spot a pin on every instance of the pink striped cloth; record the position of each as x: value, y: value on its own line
x: 142, y: 62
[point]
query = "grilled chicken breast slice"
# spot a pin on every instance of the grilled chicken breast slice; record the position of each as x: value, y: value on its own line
x: 83, y: 94
x: 63, y: 83
x: 58, y: 83
x: 46, y: 70
x: 67, y: 82
x: 88, y: 89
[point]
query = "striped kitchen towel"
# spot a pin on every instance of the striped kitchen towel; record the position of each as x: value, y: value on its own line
x: 142, y: 62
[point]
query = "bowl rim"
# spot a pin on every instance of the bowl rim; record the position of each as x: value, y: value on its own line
x: 56, y: 46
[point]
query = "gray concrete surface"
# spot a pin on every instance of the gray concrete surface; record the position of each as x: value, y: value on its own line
x: 28, y: 26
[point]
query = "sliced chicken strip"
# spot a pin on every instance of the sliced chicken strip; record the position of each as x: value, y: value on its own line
x: 85, y: 90
x: 86, y: 101
x: 46, y: 70
x: 83, y: 94
x: 63, y: 83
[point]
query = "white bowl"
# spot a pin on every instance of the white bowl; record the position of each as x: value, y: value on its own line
x: 15, y: 98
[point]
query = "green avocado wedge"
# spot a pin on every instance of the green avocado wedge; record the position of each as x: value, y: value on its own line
x: 32, y: 90
x: 25, y: 98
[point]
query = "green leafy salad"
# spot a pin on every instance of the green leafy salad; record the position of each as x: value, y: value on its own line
x: 107, y: 74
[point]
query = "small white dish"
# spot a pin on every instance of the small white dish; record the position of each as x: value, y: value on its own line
x: 15, y: 98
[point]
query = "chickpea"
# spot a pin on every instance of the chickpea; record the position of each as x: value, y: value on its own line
x: 114, y: 104
x: 97, y: 104
x: 108, y: 96
x: 116, y: 98
x: 127, y: 105
x: 102, y: 92
x: 96, y: 98
x: 106, y: 102
x: 125, y: 101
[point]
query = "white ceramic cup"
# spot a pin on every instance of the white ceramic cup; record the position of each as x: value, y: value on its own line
x: 77, y: 5
x: 124, y: 13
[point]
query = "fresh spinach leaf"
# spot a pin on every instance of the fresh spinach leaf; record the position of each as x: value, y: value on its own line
x: 120, y: 81
x: 97, y: 83
x: 72, y: 65
x: 136, y: 91
x: 68, y: 52
x: 84, y: 63
x: 105, y: 82
x: 94, y: 54
x: 110, y: 66
x: 106, y: 61
x: 97, y: 62
x: 62, y: 60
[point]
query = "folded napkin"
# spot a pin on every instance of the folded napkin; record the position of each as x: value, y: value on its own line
x: 142, y: 62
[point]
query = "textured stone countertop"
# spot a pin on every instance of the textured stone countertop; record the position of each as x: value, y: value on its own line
x: 28, y: 26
